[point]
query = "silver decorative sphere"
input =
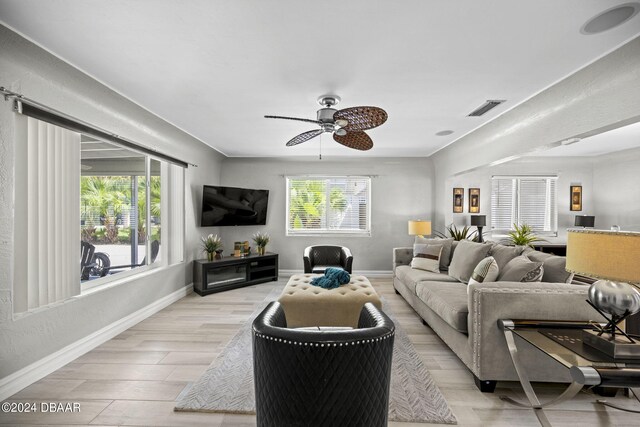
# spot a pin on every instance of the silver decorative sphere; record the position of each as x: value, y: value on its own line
x: 615, y: 298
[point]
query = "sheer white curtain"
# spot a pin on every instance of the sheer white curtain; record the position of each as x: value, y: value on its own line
x: 47, y: 215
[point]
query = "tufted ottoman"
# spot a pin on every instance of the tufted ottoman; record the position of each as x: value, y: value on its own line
x: 308, y: 305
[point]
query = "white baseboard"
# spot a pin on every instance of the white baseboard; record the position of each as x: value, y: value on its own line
x: 26, y: 376
x: 368, y: 273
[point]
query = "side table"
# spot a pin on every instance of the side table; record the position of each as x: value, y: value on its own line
x: 561, y: 340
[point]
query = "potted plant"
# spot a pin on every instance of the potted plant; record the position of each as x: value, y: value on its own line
x: 210, y: 245
x: 458, y: 233
x: 261, y: 240
x: 522, y: 235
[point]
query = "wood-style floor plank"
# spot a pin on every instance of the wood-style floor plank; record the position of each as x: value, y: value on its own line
x: 135, y: 378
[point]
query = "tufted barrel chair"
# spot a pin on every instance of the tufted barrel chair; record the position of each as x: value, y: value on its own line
x: 323, y: 376
x: 318, y: 258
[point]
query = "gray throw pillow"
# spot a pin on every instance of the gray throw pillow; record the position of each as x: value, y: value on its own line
x: 466, y: 257
x: 521, y: 269
x: 554, y: 268
x: 445, y: 255
x: 503, y: 254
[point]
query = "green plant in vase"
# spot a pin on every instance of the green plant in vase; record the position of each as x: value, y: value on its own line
x: 261, y: 239
x: 522, y: 235
x: 211, y: 244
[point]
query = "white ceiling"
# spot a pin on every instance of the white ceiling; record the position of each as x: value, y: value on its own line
x: 214, y: 68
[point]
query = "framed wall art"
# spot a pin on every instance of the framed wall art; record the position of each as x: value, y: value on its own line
x: 458, y: 200
x: 474, y: 200
x: 576, y: 197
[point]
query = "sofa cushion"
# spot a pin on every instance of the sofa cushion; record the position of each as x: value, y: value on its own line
x: 503, y: 253
x: 486, y: 271
x: 411, y: 276
x: 554, y: 267
x: 447, y: 300
x: 467, y: 255
x: 445, y: 255
x: 521, y: 269
x: 426, y: 257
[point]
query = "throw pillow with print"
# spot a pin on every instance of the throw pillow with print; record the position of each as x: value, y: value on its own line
x: 426, y: 257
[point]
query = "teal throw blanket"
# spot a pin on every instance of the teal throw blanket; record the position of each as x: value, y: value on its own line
x: 333, y: 278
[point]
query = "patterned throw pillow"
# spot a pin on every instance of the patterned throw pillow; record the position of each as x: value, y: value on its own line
x: 426, y: 257
x: 485, y: 271
x: 520, y: 269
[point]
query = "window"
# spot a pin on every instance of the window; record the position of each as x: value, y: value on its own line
x: 120, y: 208
x: 93, y: 211
x: 328, y: 205
x: 524, y: 200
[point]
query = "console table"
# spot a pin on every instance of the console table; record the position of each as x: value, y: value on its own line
x: 587, y: 365
x: 233, y: 272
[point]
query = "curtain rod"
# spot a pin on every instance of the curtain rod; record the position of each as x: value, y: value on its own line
x: 29, y: 107
x: 326, y: 176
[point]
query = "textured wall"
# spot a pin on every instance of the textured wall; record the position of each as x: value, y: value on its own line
x: 28, y: 69
x: 401, y: 191
x: 600, y: 95
x: 616, y: 192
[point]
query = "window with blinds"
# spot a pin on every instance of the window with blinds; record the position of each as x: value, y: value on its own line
x: 521, y: 200
x: 328, y: 205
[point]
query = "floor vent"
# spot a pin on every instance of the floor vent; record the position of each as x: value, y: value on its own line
x: 484, y: 108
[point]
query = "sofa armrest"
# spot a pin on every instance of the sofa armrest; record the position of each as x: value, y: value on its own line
x: 401, y: 256
x: 490, y: 302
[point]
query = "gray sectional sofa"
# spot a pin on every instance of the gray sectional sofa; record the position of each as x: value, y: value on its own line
x: 467, y: 319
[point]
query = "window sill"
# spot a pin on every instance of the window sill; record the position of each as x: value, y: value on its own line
x: 97, y: 285
x: 327, y: 234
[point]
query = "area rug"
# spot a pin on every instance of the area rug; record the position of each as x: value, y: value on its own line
x: 227, y: 385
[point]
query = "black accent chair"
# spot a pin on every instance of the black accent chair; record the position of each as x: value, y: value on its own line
x: 318, y: 258
x: 309, y: 378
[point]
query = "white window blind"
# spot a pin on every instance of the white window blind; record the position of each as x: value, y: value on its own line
x: 521, y: 200
x: 328, y: 205
x: 47, y: 216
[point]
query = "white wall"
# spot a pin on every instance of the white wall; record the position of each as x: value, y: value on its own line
x: 401, y: 191
x: 616, y: 179
x: 28, y: 69
x: 599, y: 96
x: 570, y: 171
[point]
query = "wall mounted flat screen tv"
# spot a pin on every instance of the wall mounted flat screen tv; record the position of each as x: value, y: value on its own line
x: 222, y: 206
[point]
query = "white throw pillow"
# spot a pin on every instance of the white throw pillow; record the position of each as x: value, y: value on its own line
x: 486, y: 271
x: 426, y: 257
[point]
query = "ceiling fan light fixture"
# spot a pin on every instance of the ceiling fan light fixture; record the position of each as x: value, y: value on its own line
x: 341, y: 122
x: 340, y: 132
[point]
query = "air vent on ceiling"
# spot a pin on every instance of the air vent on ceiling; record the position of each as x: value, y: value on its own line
x: 484, y: 108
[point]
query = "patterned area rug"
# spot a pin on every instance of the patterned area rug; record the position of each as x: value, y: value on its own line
x: 227, y: 385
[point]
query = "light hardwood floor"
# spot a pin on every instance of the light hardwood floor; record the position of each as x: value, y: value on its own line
x: 135, y: 378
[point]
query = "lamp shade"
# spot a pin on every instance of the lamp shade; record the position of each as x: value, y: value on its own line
x: 419, y: 228
x: 585, y: 221
x: 606, y: 255
x: 479, y: 220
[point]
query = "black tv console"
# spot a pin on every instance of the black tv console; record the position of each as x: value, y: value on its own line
x: 233, y: 272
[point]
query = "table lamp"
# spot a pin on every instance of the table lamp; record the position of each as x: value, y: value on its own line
x: 612, y: 257
x: 585, y: 221
x: 419, y: 228
x: 479, y: 221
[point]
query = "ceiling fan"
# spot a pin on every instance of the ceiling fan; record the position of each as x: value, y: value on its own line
x: 347, y: 125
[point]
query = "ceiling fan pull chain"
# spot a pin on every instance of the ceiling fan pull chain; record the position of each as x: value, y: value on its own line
x: 320, y: 147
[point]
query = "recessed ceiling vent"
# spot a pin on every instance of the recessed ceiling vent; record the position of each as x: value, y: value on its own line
x: 486, y: 107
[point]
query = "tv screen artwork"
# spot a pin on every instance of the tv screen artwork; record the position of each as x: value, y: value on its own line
x: 222, y: 206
